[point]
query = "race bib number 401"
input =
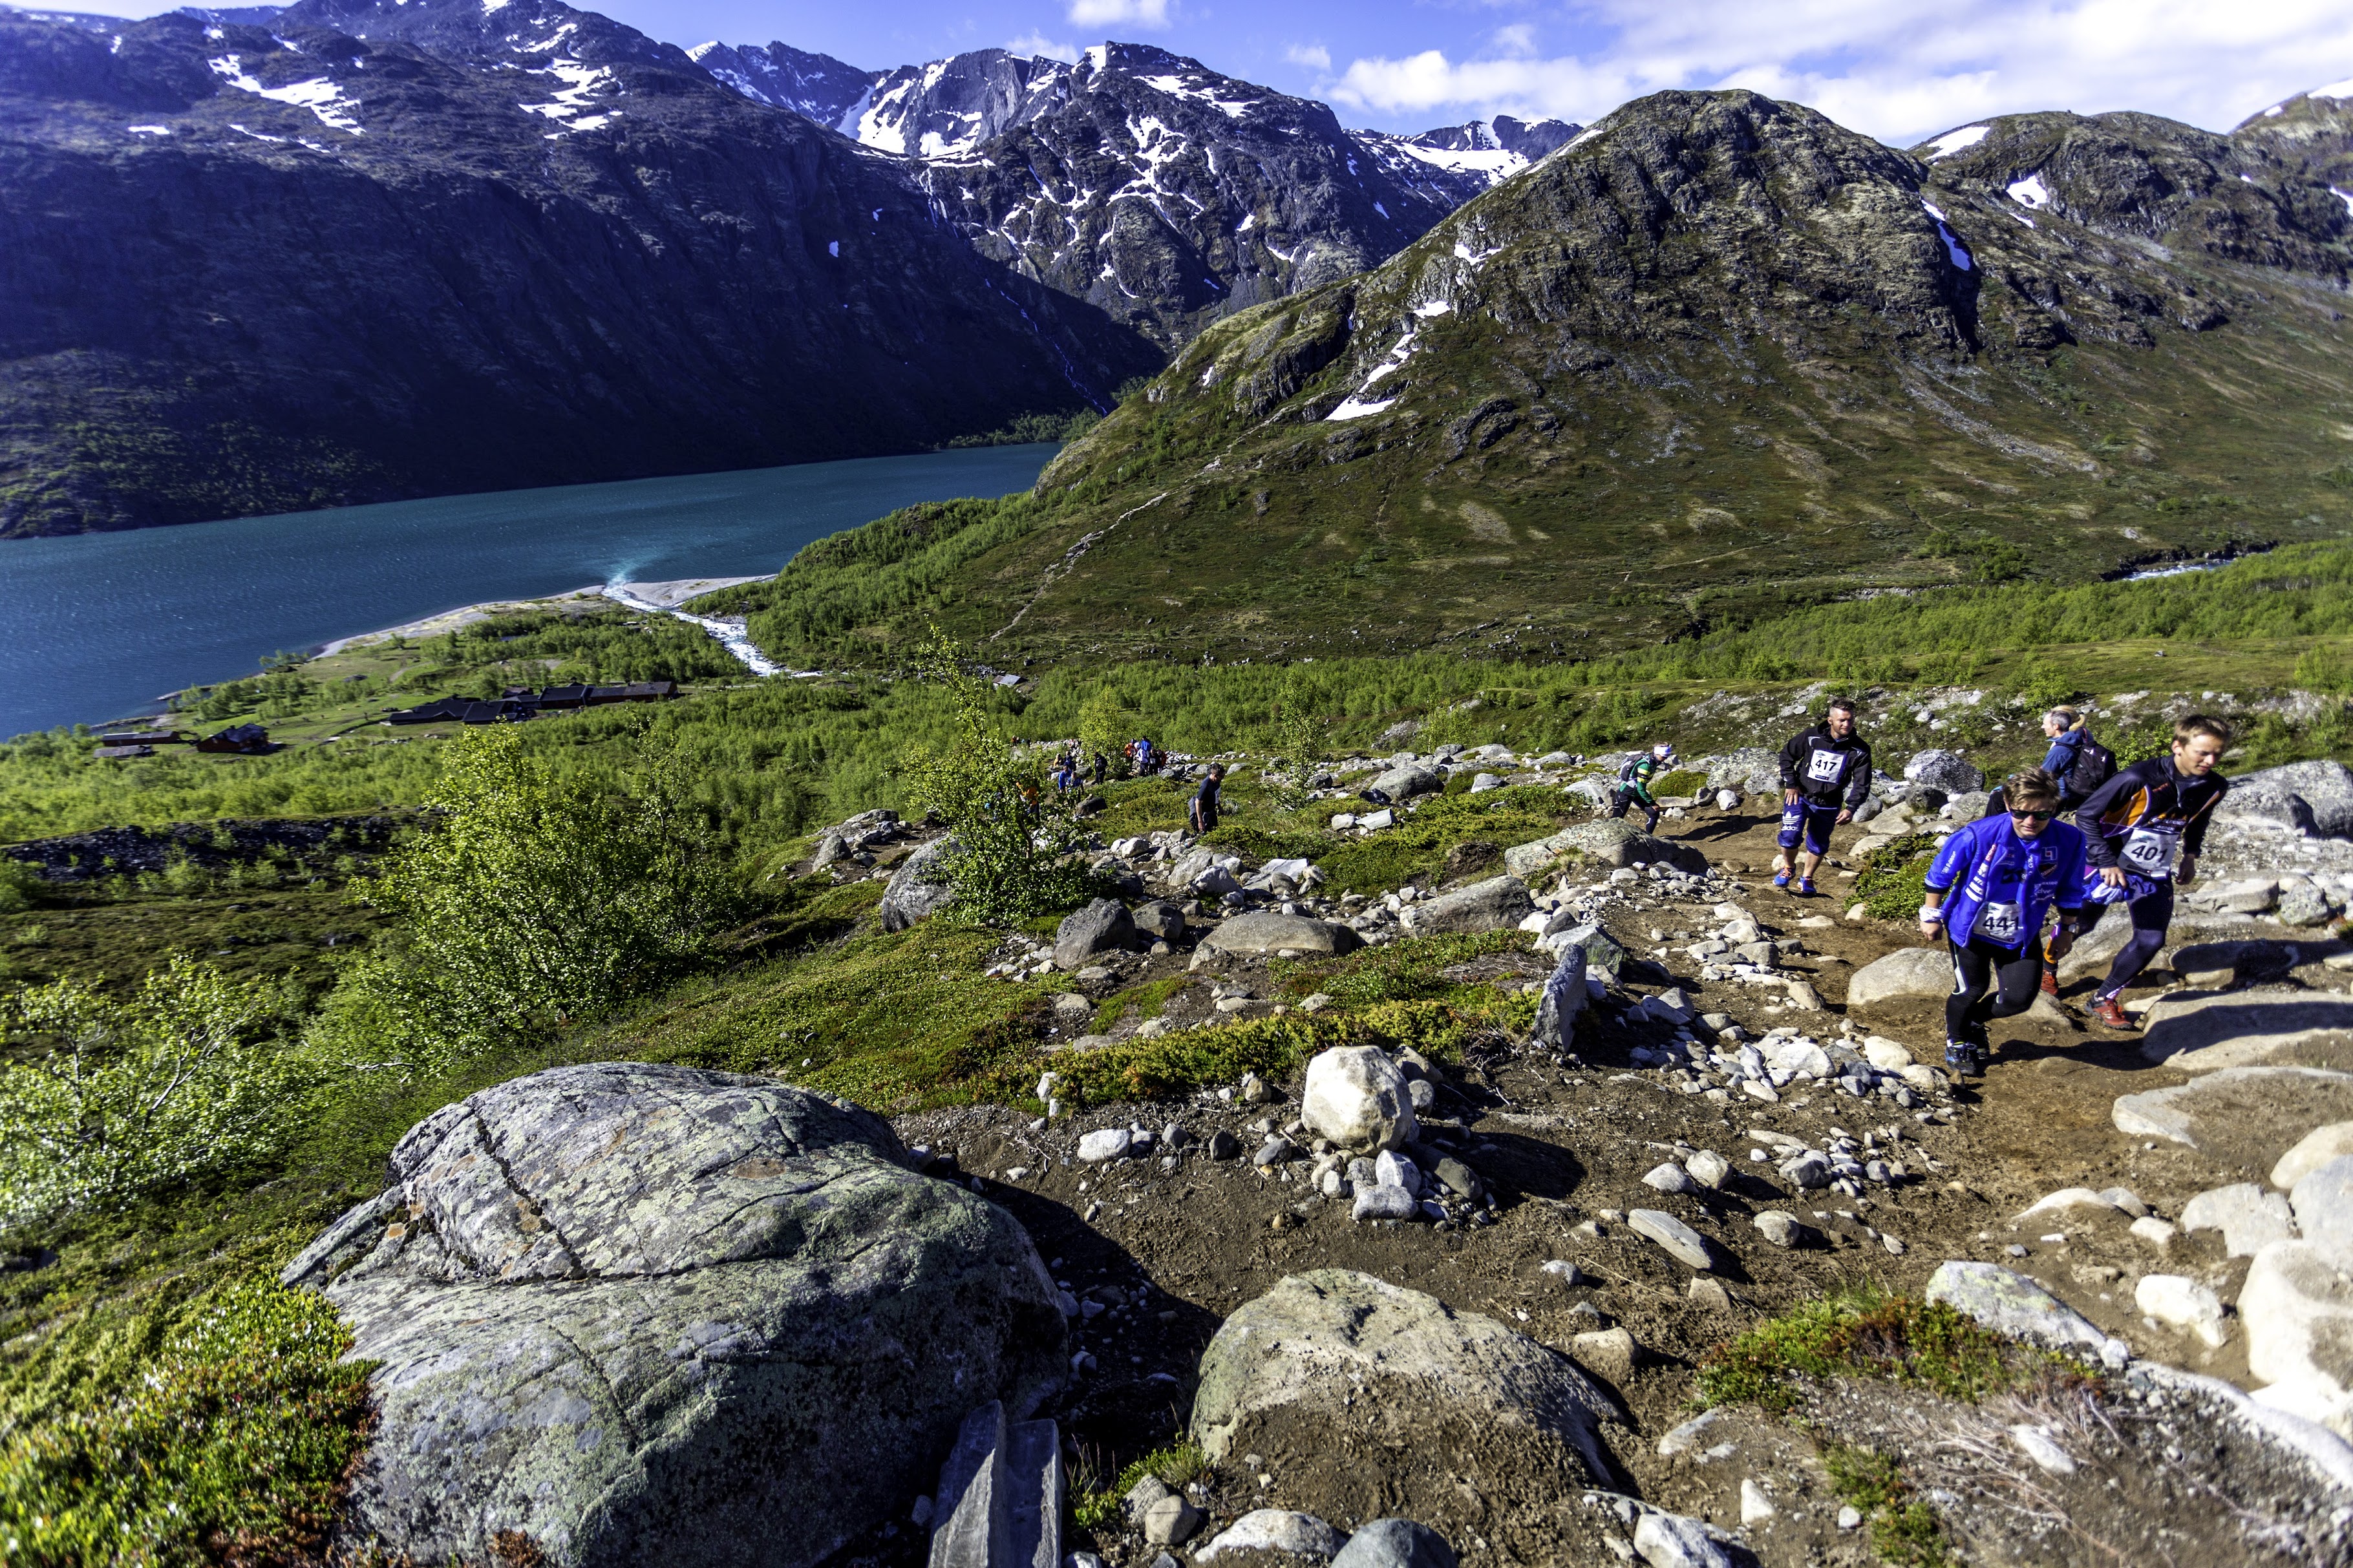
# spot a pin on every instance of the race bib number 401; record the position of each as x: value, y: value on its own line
x: 2149, y: 852
x: 1826, y: 767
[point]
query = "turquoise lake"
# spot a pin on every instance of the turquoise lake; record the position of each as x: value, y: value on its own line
x: 98, y: 625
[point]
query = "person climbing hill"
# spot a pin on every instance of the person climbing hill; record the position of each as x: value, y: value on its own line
x: 1634, y: 784
x: 1818, y: 765
x: 1989, y: 891
x: 1201, y: 815
x: 2136, y: 825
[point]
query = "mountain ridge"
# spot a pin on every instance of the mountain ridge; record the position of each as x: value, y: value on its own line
x: 1716, y: 355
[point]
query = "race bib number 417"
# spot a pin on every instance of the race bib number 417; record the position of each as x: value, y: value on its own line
x: 1826, y: 767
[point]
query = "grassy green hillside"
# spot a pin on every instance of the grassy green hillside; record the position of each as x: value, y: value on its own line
x: 1714, y: 361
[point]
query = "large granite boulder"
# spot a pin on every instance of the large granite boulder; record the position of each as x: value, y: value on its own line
x: 1612, y: 841
x: 2242, y: 1117
x: 2309, y: 797
x: 1098, y: 925
x: 1407, y: 780
x: 2192, y: 1033
x: 1908, y: 972
x: 1333, y: 1363
x: 1942, y: 769
x: 1264, y: 932
x: 920, y: 887
x: 1498, y: 903
x: 654, y: 1314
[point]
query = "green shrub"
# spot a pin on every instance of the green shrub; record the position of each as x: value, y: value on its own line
x: 231, y: 1447
x: 1015, y: 842
x: 1904, y: 1529
x: 1863, y: 1333
x: 530, y: 901
x: 111, y: 1098
x: 1683, y: 781
x: 21, y: 887
x: 1893, y: 880
x: 1179, y: 1462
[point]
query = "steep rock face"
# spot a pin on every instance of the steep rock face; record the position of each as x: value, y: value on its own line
x: 1730, y: 348
x: 258, y: 269
x: 2145, y: 177
x: 818, y: 86
x: 2311, y: 133
x: 1158, y: 191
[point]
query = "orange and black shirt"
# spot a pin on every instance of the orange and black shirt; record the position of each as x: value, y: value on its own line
x: 2138, y: 818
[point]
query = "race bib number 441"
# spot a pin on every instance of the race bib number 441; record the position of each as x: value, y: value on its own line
x: 1826, y: 767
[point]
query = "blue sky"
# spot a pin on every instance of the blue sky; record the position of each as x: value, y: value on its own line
x: 1899, y: 69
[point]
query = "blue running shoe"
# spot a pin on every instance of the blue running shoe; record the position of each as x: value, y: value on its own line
x: 1780, y: 878
x: 1805, y: 886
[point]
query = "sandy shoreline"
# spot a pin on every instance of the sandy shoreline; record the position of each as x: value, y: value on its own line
x: 640, y: 596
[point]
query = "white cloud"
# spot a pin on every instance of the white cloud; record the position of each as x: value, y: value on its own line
x: 1314, y: 57
x: 1519, y: 38
x: 1899, y: 69
x: 1146, y: 14
x: 1038, y: 45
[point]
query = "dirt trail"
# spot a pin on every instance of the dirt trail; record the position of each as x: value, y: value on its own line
x: 1169, y: 1244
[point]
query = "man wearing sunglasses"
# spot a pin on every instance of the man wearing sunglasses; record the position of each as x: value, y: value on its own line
x: 2137, y: 823
x: 1989, y: 889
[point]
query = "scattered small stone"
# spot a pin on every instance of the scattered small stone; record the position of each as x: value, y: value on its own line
x: 1379, y: 1202
x: 1681, y: 1242
x: 2183, y: 1303
x: 1709, y: 1294
x: 1708, y: 1168
x: 2037, y: 1444
x: 1849, y: 1515
x: 1395, y: 1543
x: 1692, y: 1434
x: 1669, y: 1178
x: 1171, y: 1521
x: 1612, y: 1352
x: 1568, y: 1273
x: 1275, y: 1530
x: 1754, y: 1504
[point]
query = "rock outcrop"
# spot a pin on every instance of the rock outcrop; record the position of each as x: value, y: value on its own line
x: 641, y: 1313
x: 1333, y: 1361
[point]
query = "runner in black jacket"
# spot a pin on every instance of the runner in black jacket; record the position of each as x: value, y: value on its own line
x: 1818, y: 766
x: 2132, y: 825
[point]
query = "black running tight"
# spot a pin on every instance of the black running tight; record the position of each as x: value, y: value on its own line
x: 2016, y: 974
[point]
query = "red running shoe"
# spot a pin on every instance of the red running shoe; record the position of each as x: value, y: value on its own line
x: 2106, y: 1011
x: 2050, y: 983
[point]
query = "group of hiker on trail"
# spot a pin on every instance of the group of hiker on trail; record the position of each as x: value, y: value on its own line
x: 1996, y: 883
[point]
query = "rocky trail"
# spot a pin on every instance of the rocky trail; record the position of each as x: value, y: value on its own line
x: 1644, y: 1284
x: 2050, y: 1168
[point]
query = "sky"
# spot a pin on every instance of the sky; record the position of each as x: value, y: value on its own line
x: 1898, y: 69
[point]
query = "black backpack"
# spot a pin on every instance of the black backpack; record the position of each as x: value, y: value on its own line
x: 1626, y: 774
x: 2095, y: 766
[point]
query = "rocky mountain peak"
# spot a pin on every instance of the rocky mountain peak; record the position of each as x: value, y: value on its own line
x: 2311, y: 133
x: 2153, y: 179
x: 817, y: 87
x: 493, y: 27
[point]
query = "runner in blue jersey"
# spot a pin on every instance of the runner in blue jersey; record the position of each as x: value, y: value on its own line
x: 1989, y: 889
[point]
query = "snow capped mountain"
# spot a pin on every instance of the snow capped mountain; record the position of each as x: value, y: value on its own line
x: 1156, y: 189
x: 373, y: 250
x: 817, y: 87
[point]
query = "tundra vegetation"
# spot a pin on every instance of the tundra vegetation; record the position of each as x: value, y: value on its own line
x: 198, y: 1078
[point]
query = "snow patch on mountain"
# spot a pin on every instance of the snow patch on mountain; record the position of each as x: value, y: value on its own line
x: 1953, y: 142
x: 320, y: 95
